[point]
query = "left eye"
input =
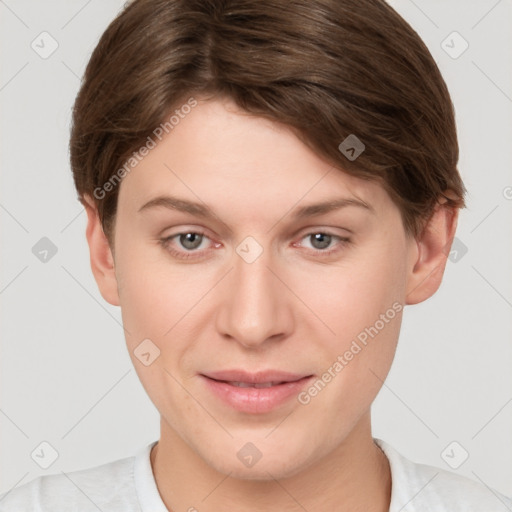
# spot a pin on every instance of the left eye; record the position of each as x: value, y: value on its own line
x: 323, y: 243
x: 190, y: 241
x: 319, y: 240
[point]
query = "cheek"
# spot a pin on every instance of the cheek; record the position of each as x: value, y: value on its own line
x: 352, y: 295
x: 363, y: 306
x: 159, y: 302
x: 159, y: 298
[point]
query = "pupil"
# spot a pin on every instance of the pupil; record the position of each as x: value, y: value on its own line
x: 323, y: 239
x: 191, y: 240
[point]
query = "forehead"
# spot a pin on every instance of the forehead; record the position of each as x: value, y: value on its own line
x: 227, y: 158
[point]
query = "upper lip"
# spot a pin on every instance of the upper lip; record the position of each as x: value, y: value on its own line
x: 255, y: 378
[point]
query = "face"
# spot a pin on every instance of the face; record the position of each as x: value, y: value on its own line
x: 254, y: 279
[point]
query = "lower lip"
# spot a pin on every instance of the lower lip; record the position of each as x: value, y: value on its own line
x: 255, y: 400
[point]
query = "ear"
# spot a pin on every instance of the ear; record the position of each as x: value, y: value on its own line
x: 431, y: 250
x: 101, y: 257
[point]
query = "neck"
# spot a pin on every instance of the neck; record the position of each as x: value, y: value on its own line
x: 354, y: 476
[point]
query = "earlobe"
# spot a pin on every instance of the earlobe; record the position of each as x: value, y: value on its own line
x: 101, y: 258
x: 431, y: 251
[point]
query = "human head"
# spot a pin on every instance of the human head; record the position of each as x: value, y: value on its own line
x: 283, y: 117
x: 326, y: 68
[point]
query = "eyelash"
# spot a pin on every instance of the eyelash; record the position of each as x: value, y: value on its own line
x: 186, y: 255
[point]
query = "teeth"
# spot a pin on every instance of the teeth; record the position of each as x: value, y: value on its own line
x: 254, y: 385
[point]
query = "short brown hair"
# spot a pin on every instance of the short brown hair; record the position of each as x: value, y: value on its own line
x: 325, y: 68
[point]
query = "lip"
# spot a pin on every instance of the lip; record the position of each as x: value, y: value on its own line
x: 255, y: 378
x: 250, y: 399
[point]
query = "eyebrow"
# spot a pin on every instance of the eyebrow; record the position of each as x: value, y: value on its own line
x: 202, y: 210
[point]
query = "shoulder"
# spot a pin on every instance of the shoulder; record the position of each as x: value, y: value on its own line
x: 108, y: 487
x: 420, y: 487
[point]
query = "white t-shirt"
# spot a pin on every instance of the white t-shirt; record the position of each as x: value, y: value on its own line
x: 128, y: 485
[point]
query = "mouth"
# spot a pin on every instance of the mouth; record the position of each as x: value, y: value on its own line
x: 257, y: 385
x: 254, y: 393
x: 266, y: 377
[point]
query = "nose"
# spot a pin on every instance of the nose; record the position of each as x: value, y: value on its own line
x: 255, y: 305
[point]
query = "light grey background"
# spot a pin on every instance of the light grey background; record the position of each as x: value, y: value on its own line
x: 66, y: 377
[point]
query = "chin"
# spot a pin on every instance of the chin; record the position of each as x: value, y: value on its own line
x: 271, y: 463
x: 262, y: 472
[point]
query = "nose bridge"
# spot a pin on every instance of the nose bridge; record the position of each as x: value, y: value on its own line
x: 254, y: 307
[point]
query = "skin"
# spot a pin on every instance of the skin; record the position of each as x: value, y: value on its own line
x: 293, y: 309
